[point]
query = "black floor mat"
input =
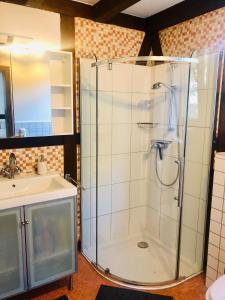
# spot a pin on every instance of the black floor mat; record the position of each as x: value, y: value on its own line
x: 62, y: 298
x: 111, y: 293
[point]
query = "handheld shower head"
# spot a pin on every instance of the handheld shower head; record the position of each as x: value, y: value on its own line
x: 158, y: 85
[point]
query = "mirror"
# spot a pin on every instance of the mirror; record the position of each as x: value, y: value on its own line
x: 36, y: 97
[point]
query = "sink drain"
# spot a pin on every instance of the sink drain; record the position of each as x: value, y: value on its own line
x: 142, y: 245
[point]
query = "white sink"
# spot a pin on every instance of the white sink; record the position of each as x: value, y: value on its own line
x: 24, y: 190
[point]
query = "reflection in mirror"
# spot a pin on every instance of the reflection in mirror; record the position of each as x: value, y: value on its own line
x: 6, y: 114
x: 31, y: 95
x: 36, y: 92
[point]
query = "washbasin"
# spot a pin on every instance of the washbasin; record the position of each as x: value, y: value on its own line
x: 24, y: 189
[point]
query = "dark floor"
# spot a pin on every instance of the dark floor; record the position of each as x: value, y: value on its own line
x: 87, y: 283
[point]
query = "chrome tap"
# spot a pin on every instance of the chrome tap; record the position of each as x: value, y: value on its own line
x: 11, y: 169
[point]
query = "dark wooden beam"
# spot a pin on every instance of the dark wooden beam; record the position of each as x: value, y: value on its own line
x: 104, y: 10
x: 29, y: 142
x: 150, y: 42
x: 34, y: 3
x: 67, y: 28
x: 181, y: 12
x: 128, y: 21
x: 65, y: 7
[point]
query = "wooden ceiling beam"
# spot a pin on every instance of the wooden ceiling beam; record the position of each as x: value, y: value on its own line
x: 181, y: 12
x: 104, y: 10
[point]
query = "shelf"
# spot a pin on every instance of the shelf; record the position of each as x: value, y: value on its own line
x: 62, y: 108
x: 52, y: 256
x: 53, y: 85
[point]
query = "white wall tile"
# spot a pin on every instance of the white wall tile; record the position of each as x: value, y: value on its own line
x: 86, y: 172
x: 213, y: 250
x: 189, y: 244
x: 104, y: 226
x: 85, y: 102
x: 168, y: 204
x: 192, y: 178
x: 219, y: 165
x: 120, y: 168
x: 121, y: 108
x: 195, y: 144
x: 104, y: 170
x: 86, y: 204
x: 105, y: 78
x: 214, y: 239
x: 218, y: 190
x: 154, y: 195
x: 120, y: 223
x: 105, y: 107
x: 141, y: 79
x: 138, y: 165
x: 153, y: 218
x: 121, y: 136
x: 216, y: 215
x: 190, y: 211
x: 219, y: 178
x: 168, y: 232
x: 217, y: 203
x: 140, y: 139
x: 212, y: 262
x: 211, y: 273
x: 86, y: 140
x: 104, y: 140
x: 216, y: 228
x: 86, y: 234
x: 142, y: 108
x: 138, y: 220
x: 198, y: 108
x: 122, y: 77
x: 202, y: 216
x: 139, y: 193
x: 120, y: 196
x: 104, y: 201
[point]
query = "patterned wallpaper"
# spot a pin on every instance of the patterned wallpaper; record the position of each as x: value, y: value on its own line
x: 206, y: 31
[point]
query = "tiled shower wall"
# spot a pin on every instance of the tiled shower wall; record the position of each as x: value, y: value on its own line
x: 216, y: 250
x: 131, y: 201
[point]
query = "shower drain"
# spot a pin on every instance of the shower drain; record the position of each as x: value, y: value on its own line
x: 142, y: 244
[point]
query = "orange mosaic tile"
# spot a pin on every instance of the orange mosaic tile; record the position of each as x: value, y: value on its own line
x: 27, y: 158
x: 206, y: 31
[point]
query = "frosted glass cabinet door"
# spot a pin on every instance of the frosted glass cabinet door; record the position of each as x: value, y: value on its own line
x: 11, y: 253
x: 50, y: 241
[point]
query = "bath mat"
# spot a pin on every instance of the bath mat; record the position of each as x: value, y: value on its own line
x: 111, y: 293
x: 62, y: 298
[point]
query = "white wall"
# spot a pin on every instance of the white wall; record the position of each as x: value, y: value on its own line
x: 40, y: 25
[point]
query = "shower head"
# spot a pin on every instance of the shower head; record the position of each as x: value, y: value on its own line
x: 158, y: 85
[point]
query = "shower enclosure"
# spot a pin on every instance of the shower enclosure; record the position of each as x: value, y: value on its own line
x: 146, y: 136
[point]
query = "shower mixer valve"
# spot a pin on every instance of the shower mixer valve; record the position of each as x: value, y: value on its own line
x: 160, y: 145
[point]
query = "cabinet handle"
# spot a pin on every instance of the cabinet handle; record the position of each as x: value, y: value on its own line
x: 26, y: 222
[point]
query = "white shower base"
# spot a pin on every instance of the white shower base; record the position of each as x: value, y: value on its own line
x: 152, y: 265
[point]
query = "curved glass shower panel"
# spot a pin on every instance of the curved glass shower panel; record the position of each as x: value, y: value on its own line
x: 88, y: 158
x: 141, y: 117
x: 200, y: 126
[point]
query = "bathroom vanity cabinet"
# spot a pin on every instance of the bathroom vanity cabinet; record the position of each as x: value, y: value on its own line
x: 37, y: 245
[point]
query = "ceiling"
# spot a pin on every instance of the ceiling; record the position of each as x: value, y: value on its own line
x: 143, y: 8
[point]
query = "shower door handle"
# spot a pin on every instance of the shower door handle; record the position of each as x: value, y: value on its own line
x: 180, y: 163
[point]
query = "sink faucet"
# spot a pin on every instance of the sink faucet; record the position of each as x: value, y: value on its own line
x: 11, y: 169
